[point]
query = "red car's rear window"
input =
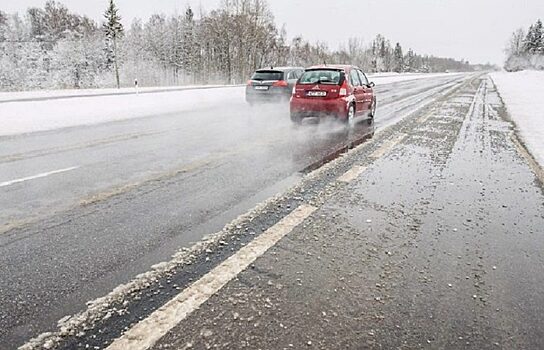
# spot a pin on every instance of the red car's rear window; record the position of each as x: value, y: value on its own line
x: 322, y: 76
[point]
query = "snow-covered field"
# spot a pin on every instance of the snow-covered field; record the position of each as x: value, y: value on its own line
x: 523, y: 93
x: 41, y: 115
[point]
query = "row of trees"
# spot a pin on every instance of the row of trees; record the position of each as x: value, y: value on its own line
x: 525, y: 50
x: 381, y: 56
x: 51, y: 47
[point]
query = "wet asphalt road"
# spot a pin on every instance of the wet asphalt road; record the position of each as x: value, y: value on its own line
x: 430, y: 235
x: 145, y: 187
x: 438, y: 244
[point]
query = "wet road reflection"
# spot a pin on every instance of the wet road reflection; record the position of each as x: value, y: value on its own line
x: 326, y: 145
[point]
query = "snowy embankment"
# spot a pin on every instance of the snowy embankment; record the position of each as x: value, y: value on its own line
x: 523, y: 94
x: 71, y: 93
x: 32, y: 116
x: 98, y: 106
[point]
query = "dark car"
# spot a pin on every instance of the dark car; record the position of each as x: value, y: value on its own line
x: 341, y: 91
x: 272, y: 84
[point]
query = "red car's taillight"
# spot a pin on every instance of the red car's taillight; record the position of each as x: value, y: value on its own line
x: 343, y: 90
x: 280, y: 83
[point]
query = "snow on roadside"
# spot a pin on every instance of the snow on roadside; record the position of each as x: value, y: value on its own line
x: 42, y: 115
x: 523, y: 94
x: 45, y: 94
x: 33, y: 116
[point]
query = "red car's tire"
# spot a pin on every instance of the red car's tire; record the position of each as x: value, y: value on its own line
x: 350, y: 116
x: 373, y: 108
x: 372, y: 113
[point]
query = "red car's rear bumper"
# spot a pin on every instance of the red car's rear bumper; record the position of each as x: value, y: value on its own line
x: 309, y: 107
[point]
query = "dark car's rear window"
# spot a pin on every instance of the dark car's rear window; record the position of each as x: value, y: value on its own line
x: 267, y: 75
x: 322, y: 76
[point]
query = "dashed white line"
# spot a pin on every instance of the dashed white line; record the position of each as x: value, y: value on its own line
x: 387, y: 146
x: 38, y: 176
x: 148, y: 331
x: 352, y: 173
x: 357, y: 170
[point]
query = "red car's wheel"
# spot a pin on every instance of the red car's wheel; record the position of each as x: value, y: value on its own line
x: 374, y: 106
x: 350, y: 119
x: 372, y: 111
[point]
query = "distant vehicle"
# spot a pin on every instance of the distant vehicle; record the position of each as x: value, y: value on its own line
x: 274, y: 84
x: 341, y: 91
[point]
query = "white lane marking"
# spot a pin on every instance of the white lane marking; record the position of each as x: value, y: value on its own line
x: 148, y: 331
x: 13, y: 182
x: 387, y: 146
x: 357, y: 170
x: 352, y: 173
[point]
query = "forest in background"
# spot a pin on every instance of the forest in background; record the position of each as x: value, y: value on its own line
x: 54, y: 48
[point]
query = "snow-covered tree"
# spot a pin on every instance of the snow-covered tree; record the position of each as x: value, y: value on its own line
x: 539, y: 37
x: 516, y: 45
x: 55, y: 22
x: 398, y: 59
x: 526, y: 50
x: 77, y: 64
x: 190, y: 50
x: 534, y: 41
x: 113, y: 30
x: 382, y: 54
x: 516, y: 58
x: 3, y: 26
x: 138, y: 63
x: 410, y: 61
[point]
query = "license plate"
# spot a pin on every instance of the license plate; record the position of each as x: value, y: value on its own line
x: 317, y: 93
x: 261, y: 87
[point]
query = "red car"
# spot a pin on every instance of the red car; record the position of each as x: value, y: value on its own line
x: 341, y: 91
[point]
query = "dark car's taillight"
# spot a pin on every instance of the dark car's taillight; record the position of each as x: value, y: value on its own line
x: 280, y: 83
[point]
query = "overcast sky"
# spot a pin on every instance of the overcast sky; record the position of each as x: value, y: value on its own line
x: 476, y: 30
